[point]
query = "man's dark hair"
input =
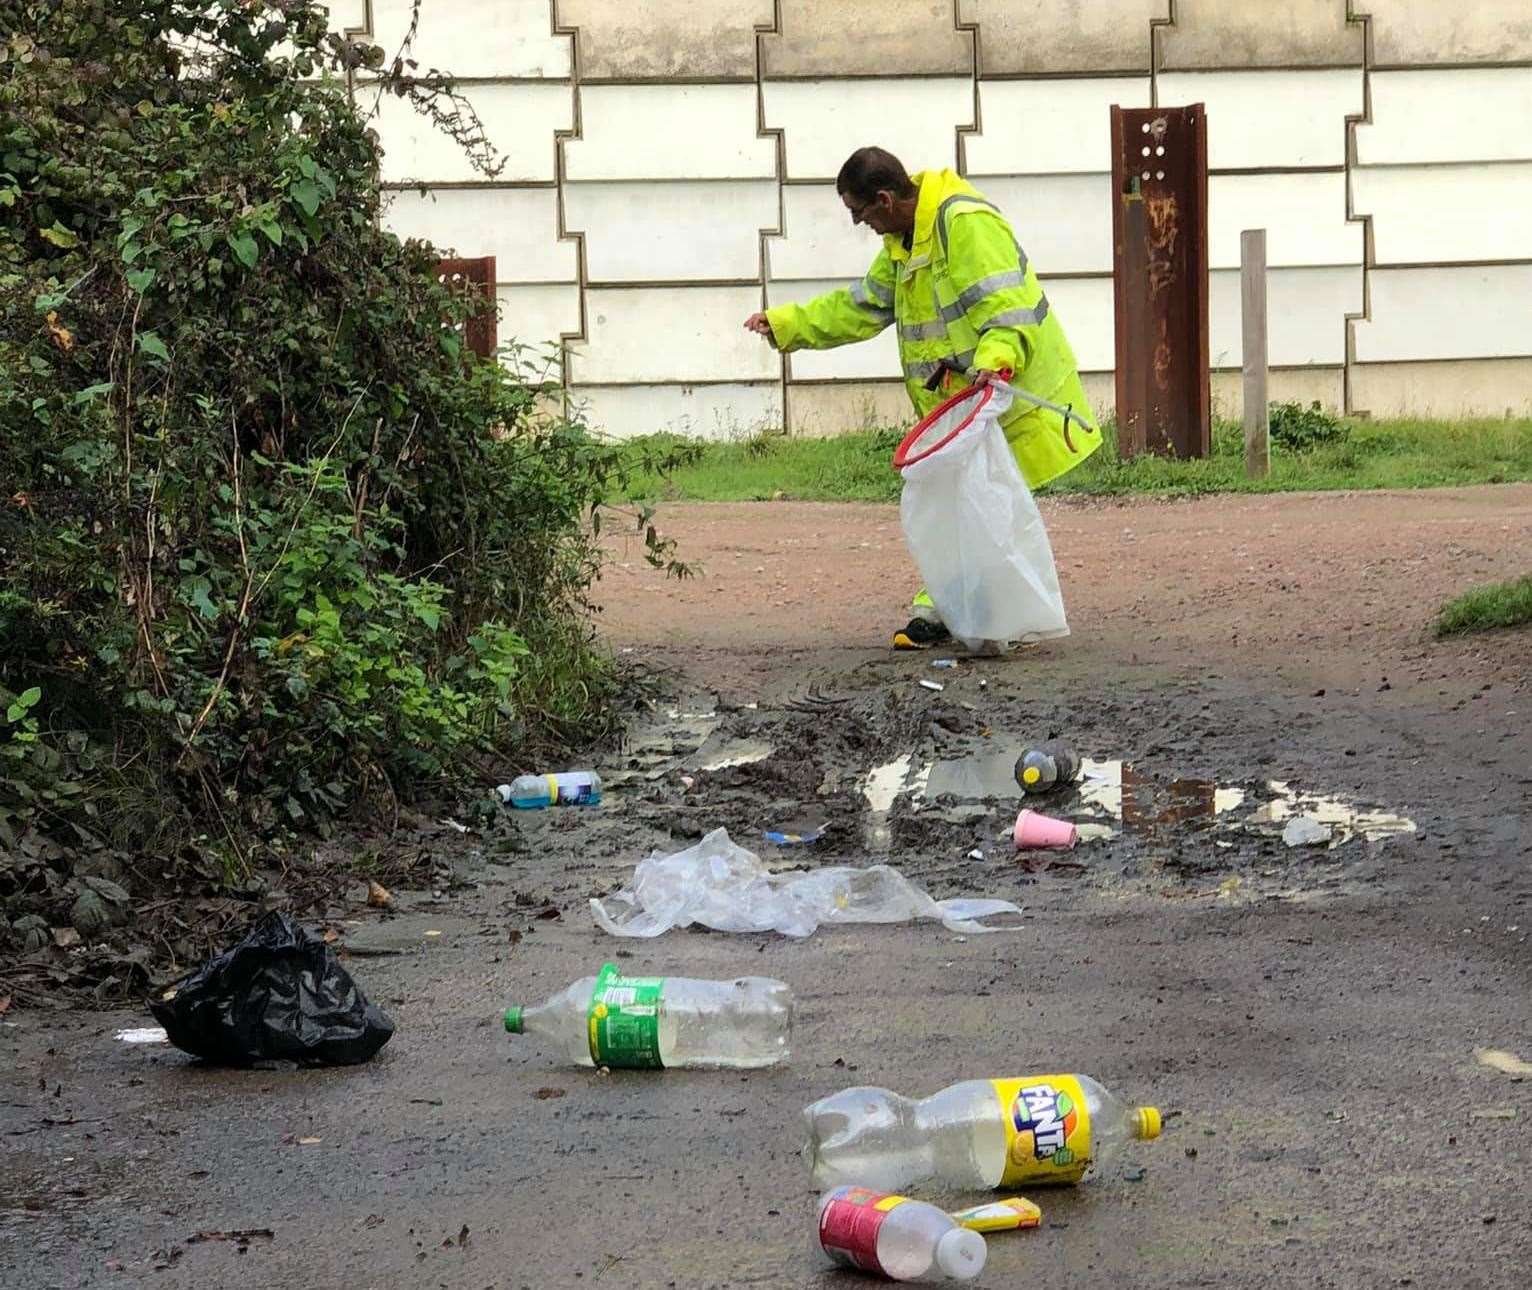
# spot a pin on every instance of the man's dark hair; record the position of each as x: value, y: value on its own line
x: 870, y: 171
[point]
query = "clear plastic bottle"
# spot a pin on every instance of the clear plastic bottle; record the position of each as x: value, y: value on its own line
x: 897, y: 1238
x: 980, y: 1133
x: 1049, y: 765
x: 652, y: 1022
x: 532, y: 792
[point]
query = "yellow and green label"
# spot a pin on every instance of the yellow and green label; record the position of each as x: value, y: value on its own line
x: 625, y: 1020
x: 1047, y: 1129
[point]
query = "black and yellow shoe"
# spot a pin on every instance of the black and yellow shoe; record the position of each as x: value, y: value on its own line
x: 920, y: 633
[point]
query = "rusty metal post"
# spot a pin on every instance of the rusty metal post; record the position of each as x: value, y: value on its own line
x: 481, y: 334
x: 1160, y: 273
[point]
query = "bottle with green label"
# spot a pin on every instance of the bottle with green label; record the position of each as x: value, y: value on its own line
x: 650, y: 1022
x: 1035, y: 1130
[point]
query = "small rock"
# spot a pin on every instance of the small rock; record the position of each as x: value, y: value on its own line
x: 379, y: 896
x: 65, y: 937
x: 1306, y: 831
x: 1135, y: 1173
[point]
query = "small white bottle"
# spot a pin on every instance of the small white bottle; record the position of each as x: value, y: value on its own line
x: 652, y: 1022
x: 897, y: 1238
x: 533, y: 792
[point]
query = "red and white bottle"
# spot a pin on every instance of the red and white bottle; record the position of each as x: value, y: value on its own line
x: 897, y: 1238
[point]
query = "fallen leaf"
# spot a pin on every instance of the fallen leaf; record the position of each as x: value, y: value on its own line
x: 65, y: 937
x: 1495, y: 1058
x: 433, y: 932
x: 378, y: 896
x: 1494, y: 1113
x: 462, y: 1238
x: 309, y: 1142
x: 5, y: 1004
x: 545, y: 1094
x: 551, y: 912
x: 62, y: 336
x: 373, y: 1220
x: 514, y: 937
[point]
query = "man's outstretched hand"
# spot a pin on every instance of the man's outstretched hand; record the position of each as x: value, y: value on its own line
x: 758, y: 324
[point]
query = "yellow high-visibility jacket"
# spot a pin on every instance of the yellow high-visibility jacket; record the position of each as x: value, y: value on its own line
x: 961, y: 291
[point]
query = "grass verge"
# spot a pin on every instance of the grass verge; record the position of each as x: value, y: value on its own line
x: 1363, y: 455
x: 1501, y: 604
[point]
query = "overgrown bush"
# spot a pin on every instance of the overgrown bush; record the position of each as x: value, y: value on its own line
x: 1298, y: 428
x: 271, y: 541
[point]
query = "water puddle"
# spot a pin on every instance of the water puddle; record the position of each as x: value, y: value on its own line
x: 1113, y: 796
x: 882, y: 788
x: 722, y: 754
x: 1134, y: 800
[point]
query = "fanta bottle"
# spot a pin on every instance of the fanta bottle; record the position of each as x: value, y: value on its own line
x: 897, y: 1238
x: 981, y: 1133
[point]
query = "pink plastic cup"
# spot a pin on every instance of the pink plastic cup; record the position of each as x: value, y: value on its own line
x: 1033, y: 829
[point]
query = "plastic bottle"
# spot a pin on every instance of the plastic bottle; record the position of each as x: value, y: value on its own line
x: 980, y: 1133
x: 533, y: 792
x: 651, y: 1022
x: 1047, y: 766
x: 897, y: 1238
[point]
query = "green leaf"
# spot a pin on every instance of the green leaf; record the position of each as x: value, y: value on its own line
x: 205, y: 607
x: 244, y: 248
x: 152, y: 344
x: 29, y: 698
x: 139, y: 279
x: 307, y: 166
x: 94, y: 391
x: 273, y: 231
x: 132, y: 251
x: 60, y: 236
x: 306, y: 193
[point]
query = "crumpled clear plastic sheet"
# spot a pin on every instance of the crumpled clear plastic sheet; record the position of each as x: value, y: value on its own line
x: 720, y: 885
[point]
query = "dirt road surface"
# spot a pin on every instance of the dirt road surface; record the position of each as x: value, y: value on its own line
x: 1306, y: 1018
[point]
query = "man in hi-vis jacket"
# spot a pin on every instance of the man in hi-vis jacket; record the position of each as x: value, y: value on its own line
x: 969, y: 310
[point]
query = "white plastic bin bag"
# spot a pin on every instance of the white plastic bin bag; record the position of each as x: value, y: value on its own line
x: 973, y: 528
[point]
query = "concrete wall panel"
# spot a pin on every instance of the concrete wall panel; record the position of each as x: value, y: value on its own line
x: 475, y: 37
x: 1304, y: 217
x: 1306, y: 315
x: 518, y: 226
x: 818, y: 411
x: 1063, y: 222
x: 649, y: 335
x: 678, y: 231
x: 1260, y: 119
x: 1406, y: 32
x: 1052, y: 36
x: 865, y: 360
x: 1210, y: 34
x: 855, y: 37
x: 669, y: 132
x: 1084, y: 307
x: 1305, y: 385
x: 700, y: 411
x: 1448, y: 313
x: 1429, y: 214
x: 665, y: 39
x: 519, y: 120
x: 1049, y: 127
x: 1494, y: 387
x: 538, y: 314
x: 821, y: 240
x: 1454, y: 114
x: 826, y: 121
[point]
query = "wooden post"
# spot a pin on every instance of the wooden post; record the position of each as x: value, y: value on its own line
x: 1252, y: 282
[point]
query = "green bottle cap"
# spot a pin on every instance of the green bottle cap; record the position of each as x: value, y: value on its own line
x: 513, y: 1020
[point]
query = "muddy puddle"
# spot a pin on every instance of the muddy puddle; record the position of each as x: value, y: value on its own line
x: 927, y: 784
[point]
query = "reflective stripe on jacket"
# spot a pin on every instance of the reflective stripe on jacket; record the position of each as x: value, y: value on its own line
x: 963, y: 291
